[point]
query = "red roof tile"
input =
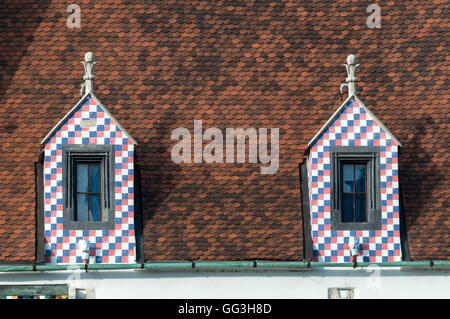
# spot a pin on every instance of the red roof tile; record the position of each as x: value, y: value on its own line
x: 229, y: 63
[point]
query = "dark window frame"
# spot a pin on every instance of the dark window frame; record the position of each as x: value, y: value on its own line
x: 104, y: 154
x: 89, y: 192
x: 371, y: 156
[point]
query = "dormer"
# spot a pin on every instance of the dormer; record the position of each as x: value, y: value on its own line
x: 88, y: 184
x: 353, y: 185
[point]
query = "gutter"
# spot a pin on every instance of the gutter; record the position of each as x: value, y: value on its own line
x: 230, y: 266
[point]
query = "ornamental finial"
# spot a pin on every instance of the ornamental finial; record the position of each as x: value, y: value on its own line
x: 88, y: 77
x: 351, y: 78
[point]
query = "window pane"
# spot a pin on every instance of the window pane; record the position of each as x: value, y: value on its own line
x: 360, y: 178
x: 347, y: 208
x: 82, y: 178
x: 94, y: 208
x: 347, y: 170
x: 360, y: 208
x: 82, y: 208
x: 94, y: 178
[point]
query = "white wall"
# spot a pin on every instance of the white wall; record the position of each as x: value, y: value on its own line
x: 368, y: 283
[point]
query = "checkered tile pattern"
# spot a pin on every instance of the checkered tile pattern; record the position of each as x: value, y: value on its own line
x: 107, y: 246
x: 354, y: 127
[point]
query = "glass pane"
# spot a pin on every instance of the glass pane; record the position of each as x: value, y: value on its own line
x: 360, y: 178
x: 347, y: 178
x: 94, y: 208
x: 82, y: 208
x: 94, y: 178
x: 347, y: 208
x: 360, y: 208
x: 82, y: 178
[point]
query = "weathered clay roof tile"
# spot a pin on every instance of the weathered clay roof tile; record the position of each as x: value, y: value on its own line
x: 229, y: 63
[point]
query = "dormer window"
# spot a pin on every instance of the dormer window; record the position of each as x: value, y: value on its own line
x: 88, y: 184
x: 355, y: 188
x: 88, y: 187
x: 88, y: 196
x: 352, y: 183
x: 354, y: 196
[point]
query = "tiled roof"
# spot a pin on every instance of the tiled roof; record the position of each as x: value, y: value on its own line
x: 232, y: 64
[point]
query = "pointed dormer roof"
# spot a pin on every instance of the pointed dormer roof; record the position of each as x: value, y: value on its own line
x: 351, y: 85
x: 88, y: 87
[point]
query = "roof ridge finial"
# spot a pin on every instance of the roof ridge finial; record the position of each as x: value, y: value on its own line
x: 351, y: 78
x: 88, y: 77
